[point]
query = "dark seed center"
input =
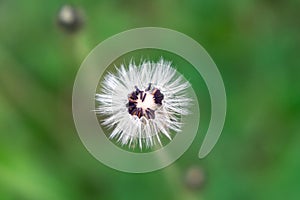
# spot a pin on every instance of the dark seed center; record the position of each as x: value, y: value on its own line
x: 144, y: 103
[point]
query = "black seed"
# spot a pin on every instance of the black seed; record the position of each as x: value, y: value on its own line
x: 137, y: 91
x: 147, y: 113
x: 158, y: 97
x: 139, y: 112
x: 141, y: 94
x: 150, y: 113
x: 132, y: 110
x: 131, y: 103
x: 134, y: 96
x: 142, y: 113
x: 144, y: 97
x: 149, y: 87
x: 131, y: 106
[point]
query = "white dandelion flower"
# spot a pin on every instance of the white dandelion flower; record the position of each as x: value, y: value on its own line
x: 142, y: 103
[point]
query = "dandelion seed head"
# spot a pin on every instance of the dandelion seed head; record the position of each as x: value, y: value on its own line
x: 143, y: 103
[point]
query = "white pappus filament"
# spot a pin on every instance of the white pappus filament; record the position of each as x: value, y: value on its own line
x: 141, y: 103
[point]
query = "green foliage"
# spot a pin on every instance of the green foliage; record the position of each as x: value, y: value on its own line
x: 254, y: 43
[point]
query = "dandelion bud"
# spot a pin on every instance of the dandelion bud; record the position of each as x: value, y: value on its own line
x: 194, y: 178
x: 70, y: 18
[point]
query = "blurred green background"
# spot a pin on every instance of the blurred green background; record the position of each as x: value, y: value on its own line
x: 255, y: 44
